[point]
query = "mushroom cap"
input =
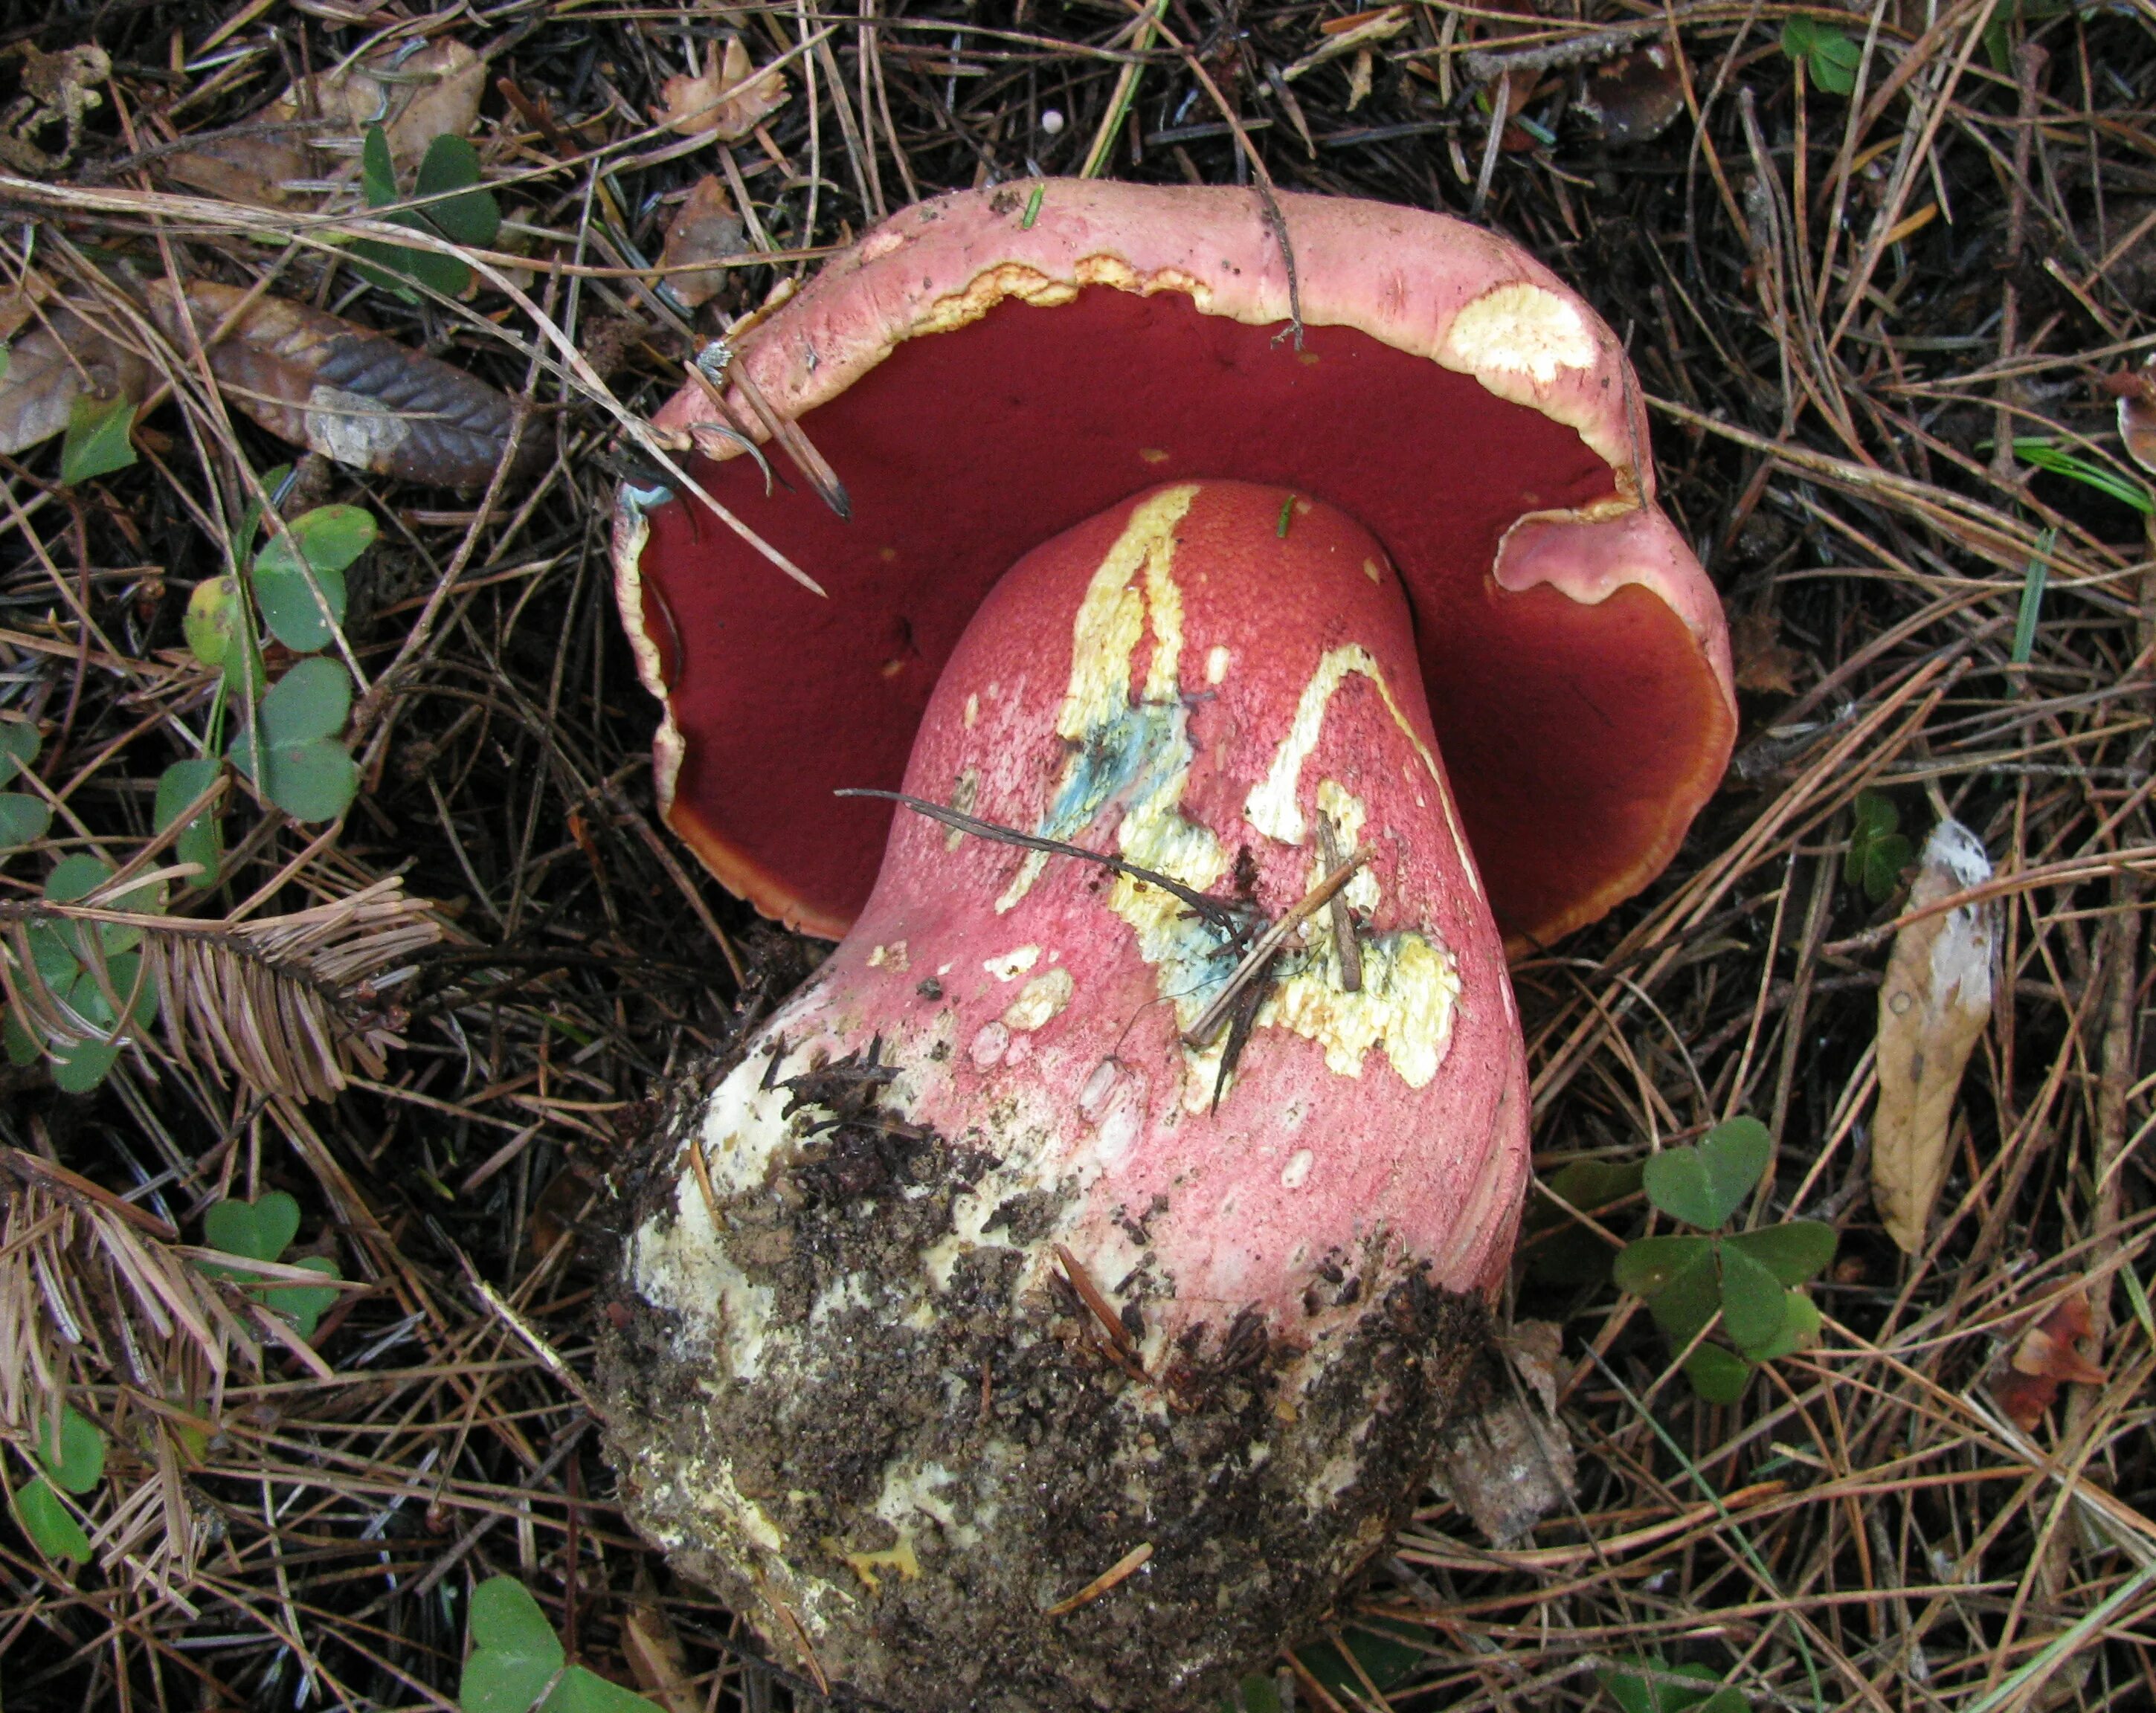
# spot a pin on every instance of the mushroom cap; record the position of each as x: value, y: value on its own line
x: 988, y: 368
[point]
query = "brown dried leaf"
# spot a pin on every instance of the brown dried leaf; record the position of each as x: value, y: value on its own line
x: 1506, y: 1458
x: 1361, y: 75
x: 1536, y: 1350
x: 56, y: 362
x: 253, y: 170
x: 18, y: 305
x: 1635, y: 97
x: 351, y: 394
x: 2048, y: 1356
x: 729, y: 100
x: 2136, y: 391
x: 2051, y: 1347
x: 705, y: 229
x: 414, y: 98
x: 554, y: 1215
x: 1519, y: 88
x: 1762, y: 662
x: 656, y: 1657
x: 1933, y: 1004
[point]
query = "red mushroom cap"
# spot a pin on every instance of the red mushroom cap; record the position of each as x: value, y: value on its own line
x: 988, y: 368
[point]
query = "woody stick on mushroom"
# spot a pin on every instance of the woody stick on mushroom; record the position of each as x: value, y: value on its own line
x: 1061, y: 1297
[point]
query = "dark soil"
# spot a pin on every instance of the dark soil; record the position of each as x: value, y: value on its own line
x: 1063, y: 1455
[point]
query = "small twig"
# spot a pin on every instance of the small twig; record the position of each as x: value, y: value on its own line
x: 801, y: 1641
x: 616, y: 799
x: 1344, y: 919
x: 1483, y: 66
x: 1089, y: 1294
x: 1499, y: 93
x: 1261, y: 953
x: 1240, y: 1023
x: 1259, y: 172
x: 717, y: 362
x: 1217, y: 911
x: 1107, y: 1579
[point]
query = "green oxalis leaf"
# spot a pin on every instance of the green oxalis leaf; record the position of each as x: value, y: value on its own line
x: 18, y: 748
x: 1704, y: 1184
x: 1829, y: 57
x: 463, y: 212
x: 73, y: 1454
x: 516, y: 1656
x: 259, y: 1230
x: 1754, y: 1305
x: 262, y: 1230
x: 290, y: 753
x: 1800, y: 1330
x: 472, y: 216
x: 201, y: 840
x: 1635, y: 1692
x: 70, y: 1455
x: 92, y: 969
x: 1717, y: 1374
x: 1563, y: 1251
x: 1877, y: 851
x: 299, y: 575
x: 1747, y: 1278
x: 217, y: 632
x: 23, y: 819
x: 1794, y: 1251
x: 51, y: 1526
x: 97, y: 442
x: 1383, y: 1653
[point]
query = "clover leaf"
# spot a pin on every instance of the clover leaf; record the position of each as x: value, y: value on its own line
x: 261, y: 1230
x: 201, y: 840
x: 73, y: 1451
x: 1830, y: 58
x: 18, y: 748
x: 461, y: 211
x: 218, y: 635
x: 1877, y: 851
x: 93, y: 971
x: 516, y: 1657
x: 71, y: 1456
x: 1748, y: 1278
x: 1562, y: 1251
x: 23, y: 817
x: 1704, y: 1184
x: 50, y: 1524
x: 299, y: 574
x: 290, y: 752
x: 97, y: 442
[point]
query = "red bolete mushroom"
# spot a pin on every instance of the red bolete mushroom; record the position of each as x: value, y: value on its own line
x: 1061, y: 1297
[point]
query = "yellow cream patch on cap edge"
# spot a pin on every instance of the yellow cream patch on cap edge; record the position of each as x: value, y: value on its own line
x: 1521, y: 329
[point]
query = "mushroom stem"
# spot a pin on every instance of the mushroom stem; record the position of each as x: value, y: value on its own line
x: 859, y: 1379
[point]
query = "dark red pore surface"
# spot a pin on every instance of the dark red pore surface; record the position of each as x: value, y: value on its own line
x: 1565, y: 727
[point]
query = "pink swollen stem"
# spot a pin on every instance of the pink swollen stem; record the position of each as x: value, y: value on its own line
x: 859, y: 1388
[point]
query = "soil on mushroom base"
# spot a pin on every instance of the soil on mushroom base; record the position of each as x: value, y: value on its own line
x: 1060, y: 1459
